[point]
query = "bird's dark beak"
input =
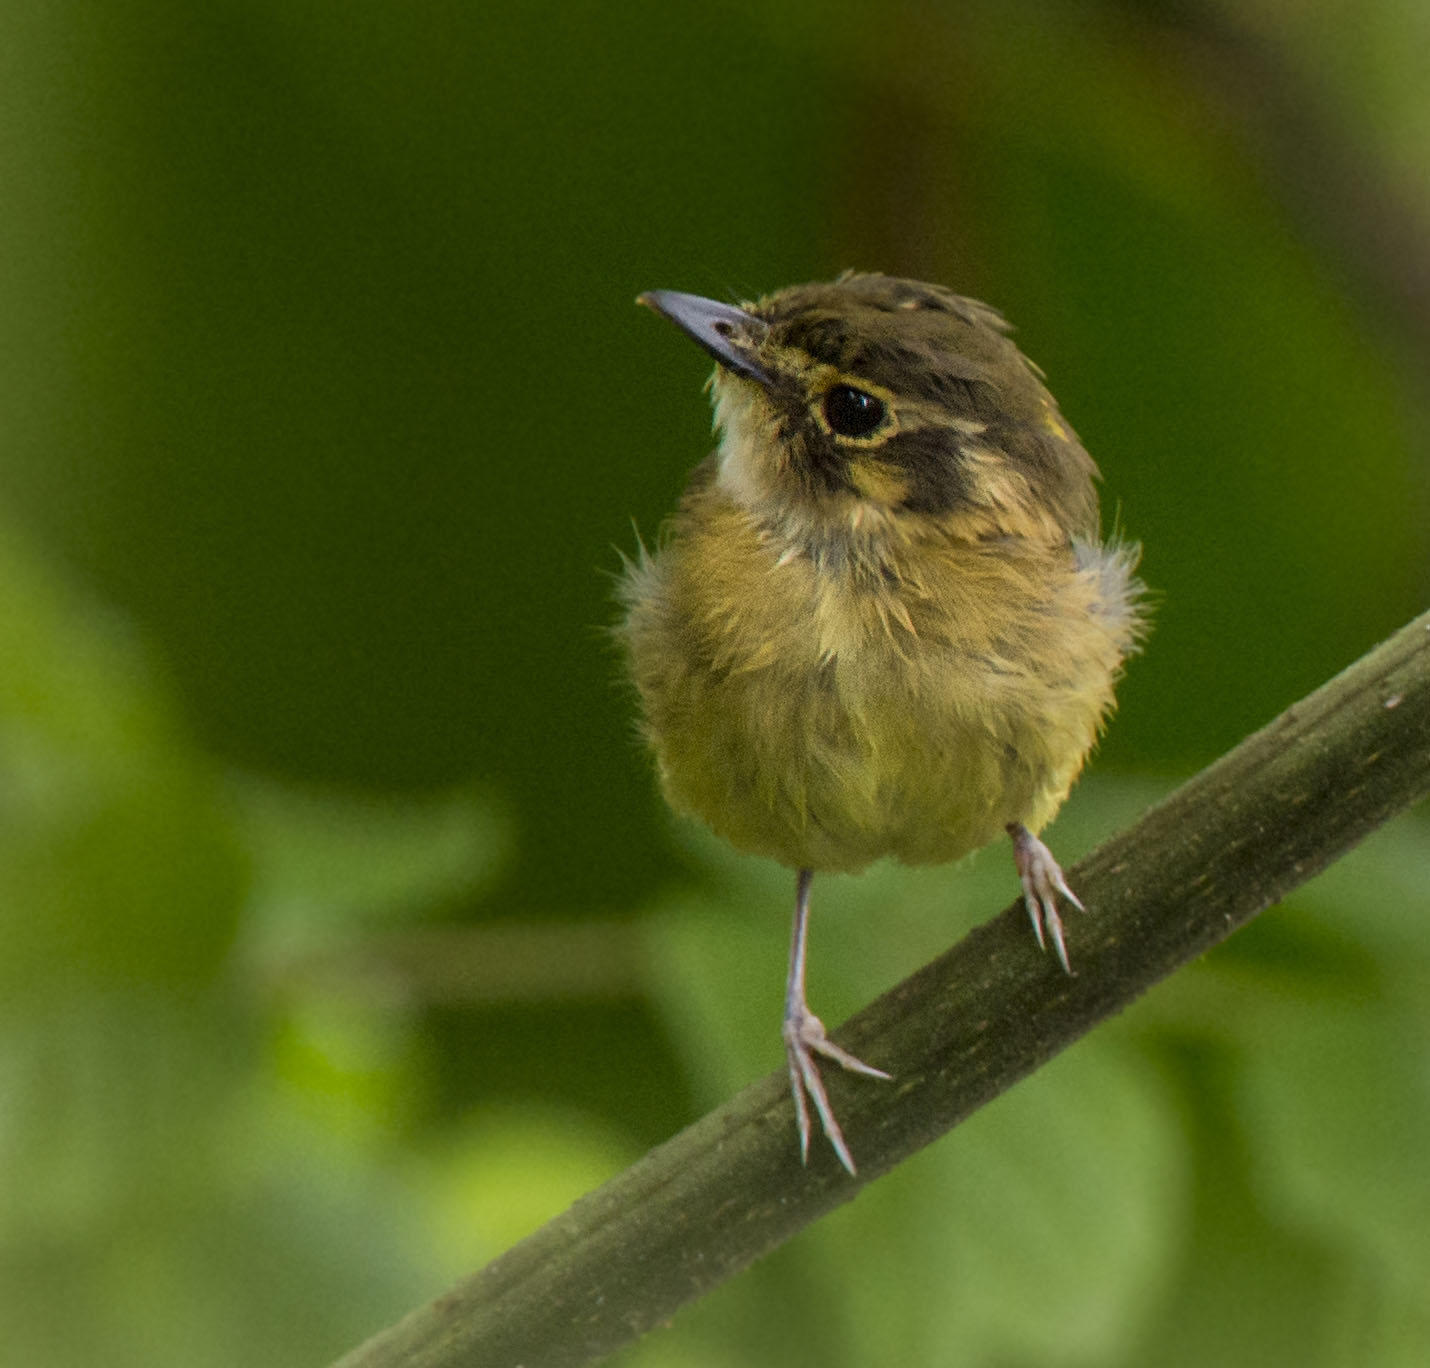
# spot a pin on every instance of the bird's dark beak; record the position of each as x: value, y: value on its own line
x: 729, y: 334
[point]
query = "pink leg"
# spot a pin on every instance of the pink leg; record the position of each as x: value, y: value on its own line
x: 804, y: 1038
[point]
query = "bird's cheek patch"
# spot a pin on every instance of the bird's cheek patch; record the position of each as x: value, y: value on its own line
x: 878, y: 481
x: 992, y: 482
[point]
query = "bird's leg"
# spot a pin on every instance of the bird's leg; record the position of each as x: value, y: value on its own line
x: 1042, y: 881
x: 804, y: 1038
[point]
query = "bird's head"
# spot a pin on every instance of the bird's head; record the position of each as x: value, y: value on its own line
x: 872, y: 401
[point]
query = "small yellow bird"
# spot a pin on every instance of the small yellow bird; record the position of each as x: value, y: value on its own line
x: 882, y: 620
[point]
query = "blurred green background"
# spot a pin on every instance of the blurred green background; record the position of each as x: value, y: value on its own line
x: 342, y: 936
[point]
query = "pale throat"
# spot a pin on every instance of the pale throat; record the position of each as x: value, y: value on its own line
x: 840, y: 533
x: 747, y: 433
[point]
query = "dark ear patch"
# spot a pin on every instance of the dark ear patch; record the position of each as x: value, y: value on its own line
x: 933, y: 475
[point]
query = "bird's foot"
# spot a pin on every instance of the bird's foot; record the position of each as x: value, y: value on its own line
x: 804, y: 1038
x: 1042, y: 881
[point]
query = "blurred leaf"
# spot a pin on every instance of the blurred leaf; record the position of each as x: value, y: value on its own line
x: 325, y: 860
x: 117, y: 863
x: 1336, y: 1086
x: 501, y: 1172
x: 175, y: 1193
x: 1044, y: 1230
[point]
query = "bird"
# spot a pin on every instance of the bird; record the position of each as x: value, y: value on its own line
x: 882, y: 620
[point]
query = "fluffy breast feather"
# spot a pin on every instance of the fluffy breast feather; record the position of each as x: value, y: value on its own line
x: 897, y: 691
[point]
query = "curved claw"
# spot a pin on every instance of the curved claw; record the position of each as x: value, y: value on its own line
x: 1042, y: 882
x: 804, y: 1038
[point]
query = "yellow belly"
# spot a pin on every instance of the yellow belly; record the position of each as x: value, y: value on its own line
x: 829, y: 716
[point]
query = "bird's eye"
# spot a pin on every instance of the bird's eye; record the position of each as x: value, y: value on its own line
x: 852, y: 412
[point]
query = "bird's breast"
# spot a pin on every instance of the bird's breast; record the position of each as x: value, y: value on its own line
x: 828, y: 705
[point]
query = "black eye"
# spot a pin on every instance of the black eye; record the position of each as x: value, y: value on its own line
x: 852, y: 412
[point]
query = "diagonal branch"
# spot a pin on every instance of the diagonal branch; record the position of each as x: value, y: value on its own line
x: 1260, y: 821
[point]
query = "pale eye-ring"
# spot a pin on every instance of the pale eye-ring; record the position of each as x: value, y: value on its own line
x: 852, y: 412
